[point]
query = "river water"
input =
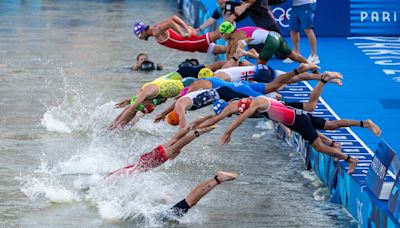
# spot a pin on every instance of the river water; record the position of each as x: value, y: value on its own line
x: 63, y: 66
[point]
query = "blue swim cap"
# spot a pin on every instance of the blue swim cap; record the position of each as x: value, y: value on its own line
x: 139, y: 27
x: 219, y: 106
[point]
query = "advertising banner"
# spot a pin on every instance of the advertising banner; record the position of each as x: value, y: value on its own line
x: 375, y: 17
x: 377, y: 179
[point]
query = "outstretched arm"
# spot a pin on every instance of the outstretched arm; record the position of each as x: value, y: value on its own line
x: 226, y: 138
x: 123, y: 103
x: 229, y: 110
x: 130, y: 112
x: 195, y: 123
x: 162, y: 115
x: 180, y: 108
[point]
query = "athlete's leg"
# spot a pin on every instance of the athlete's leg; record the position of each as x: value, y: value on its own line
x: 309, y: 106
x: 203, y: 188
x: 200, y: 191
x: 272, y: 44
x: 319, y: 146
x: 304, y: 77
x: 282, y: 79
x: 297, y: 57
x: 335, y: 124
x: 329, y: 141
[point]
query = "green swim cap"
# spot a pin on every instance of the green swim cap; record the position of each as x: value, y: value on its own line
x: 226, y: 27
x: 140, y: 107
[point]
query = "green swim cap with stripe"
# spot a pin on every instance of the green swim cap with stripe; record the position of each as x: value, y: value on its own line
x: 140, y: 107
x: 226, y: 27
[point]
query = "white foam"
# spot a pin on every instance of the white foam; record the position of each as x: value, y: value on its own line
x: 46, y: 187
x: 54, y: 125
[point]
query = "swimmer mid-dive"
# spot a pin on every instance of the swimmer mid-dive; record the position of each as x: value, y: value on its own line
x: 168, y: 150
x: 169, y: 33
x: 273, y: 41
x: 299, y: 121
x: 204, y: 95
x: 232, y: 73
x: 150, y: 95
x: 224, y: 109
x: 283, y: 79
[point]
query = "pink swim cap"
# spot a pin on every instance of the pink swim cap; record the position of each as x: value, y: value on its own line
x: 184, y: 91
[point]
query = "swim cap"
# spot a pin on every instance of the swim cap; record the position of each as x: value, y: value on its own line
x: 147, y: 66
x: 148, y: 108
x: 184, y: 91
x: 189, y: 63
x: 188, y: 81
x: 226, y: 27
x: 244, y: 104
x: 205, y: 73
x: 139, y: 27
x: 172, y: 118
x: 157, y: 100
x: 140, y: 107
x: 219, y: 106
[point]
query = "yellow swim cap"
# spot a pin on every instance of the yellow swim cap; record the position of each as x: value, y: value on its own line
x: 205, y: 73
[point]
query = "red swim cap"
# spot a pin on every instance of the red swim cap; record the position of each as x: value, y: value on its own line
x: 172, y: 118
x: 148, y: 108
x: 244, y: 104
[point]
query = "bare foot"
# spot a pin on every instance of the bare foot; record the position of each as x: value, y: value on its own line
x: 333, y: 77
x: 372, y: 127
x: 307, y: 66
x: 352, y: 165
x: 226, y: 176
